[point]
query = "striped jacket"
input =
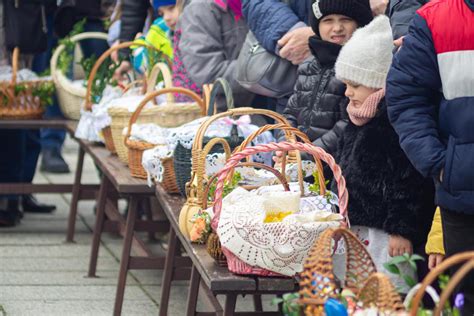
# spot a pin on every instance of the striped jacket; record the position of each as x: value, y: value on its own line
x: 430, y: 94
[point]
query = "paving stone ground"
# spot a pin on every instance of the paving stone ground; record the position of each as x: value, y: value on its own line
x: 40, y: 274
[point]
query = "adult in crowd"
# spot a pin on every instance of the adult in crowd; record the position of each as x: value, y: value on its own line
x: 20, y: 147
x: 208, y: 39
x: 430, y: 94
x: 401, y: 13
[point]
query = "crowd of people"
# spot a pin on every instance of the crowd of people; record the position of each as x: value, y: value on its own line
x: 384, y: 86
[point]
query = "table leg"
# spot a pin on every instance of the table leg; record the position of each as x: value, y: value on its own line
x: 127, y: 246
x: 173, y: 250
x: 257, y: 303
x: 193, y: 292
x: 230, y: 302
x: 99, y: 225
x: 76, y: 191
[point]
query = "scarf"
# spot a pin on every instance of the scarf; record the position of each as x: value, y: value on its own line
x: 325, y: 52
x: 234, y: 5
x: 363, y: 115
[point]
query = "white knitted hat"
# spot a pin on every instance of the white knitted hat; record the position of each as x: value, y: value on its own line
x: 365, y: 59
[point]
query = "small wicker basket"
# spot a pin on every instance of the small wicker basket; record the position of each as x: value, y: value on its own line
x: 70, y: 97
x: 318, y: 281
x: 121, y: 116
x: 21, y: 103
x: 136, y: 148
x: 379, y: 292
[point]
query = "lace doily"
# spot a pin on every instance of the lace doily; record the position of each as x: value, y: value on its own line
x: 151, y: 162
x: 281, y: 247
x: 150, y: 133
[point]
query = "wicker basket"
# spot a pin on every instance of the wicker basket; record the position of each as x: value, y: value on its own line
x: 20, y: 104
x: 235, y: 264
x: 467, y: 261
x: 109, y: 142
x: 136, y: 148
x: 121, y: 116
x: 379, y: 292
x: 182, y: 156
x: 318, y: 282
x: 71, y: 97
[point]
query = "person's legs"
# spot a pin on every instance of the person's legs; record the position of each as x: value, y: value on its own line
x: 93, y: 46
x: 10, y: 172
x: 459, y: 237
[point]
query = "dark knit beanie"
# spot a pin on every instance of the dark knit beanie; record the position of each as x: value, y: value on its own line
x: 359, y: 10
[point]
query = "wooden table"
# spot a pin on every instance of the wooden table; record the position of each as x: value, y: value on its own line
x: 118, y: 183
x: 214, y: 280
x: 80, y: 191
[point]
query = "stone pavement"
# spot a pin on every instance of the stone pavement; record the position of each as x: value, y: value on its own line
x: 40, y: 274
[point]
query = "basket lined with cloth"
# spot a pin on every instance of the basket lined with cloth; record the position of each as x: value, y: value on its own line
x: 24, y: 99
x: 256, y: 247
x: 136, y: 148
x: 71, y: 93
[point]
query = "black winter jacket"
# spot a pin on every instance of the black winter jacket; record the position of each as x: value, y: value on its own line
x: 385, y: 190
x: 318, y: 105
x: 134, y: 13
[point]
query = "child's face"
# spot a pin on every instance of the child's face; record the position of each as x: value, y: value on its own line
x: 170, y: 14
x: 358, y: 93
x: 336, y: 28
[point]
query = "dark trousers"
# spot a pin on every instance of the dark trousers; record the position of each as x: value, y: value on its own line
x: 458, y: 233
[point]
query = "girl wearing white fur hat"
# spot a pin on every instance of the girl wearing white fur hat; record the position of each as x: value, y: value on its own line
x: 392, y: 205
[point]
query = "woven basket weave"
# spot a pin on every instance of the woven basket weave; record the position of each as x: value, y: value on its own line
x: 70, y: 97
x: 379, y: 292
x: 16, y: 103
x: 318, y: 281
x: 136, y: 148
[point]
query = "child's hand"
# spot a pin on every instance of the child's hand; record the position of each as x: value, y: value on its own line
x: 397, y: 246
x: 434, y: 260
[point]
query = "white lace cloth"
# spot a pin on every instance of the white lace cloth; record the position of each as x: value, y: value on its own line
x: 22, y: 75
x: 150, y: 133
x: 280, y: 247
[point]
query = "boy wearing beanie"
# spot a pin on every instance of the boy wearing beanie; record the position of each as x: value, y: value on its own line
x: 392, y: 205
x: 318, y: 105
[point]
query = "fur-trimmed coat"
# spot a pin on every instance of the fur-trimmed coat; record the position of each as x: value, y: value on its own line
x: 385, y: 190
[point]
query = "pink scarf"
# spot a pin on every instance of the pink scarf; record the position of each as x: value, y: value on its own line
x: 362, y: 115
x: 234, y: 5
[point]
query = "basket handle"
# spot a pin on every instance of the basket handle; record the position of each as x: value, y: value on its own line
x: 283, y: 146
x: 434, y: 274
x: 152, y: 79
x: 277, y: 173
x: 206, y: 95
x: 290, y: 134
x: 150, y: 96
x: 15, y: 60
x: 75, y: 38
x: 102, y: 58
x: 219, y: 84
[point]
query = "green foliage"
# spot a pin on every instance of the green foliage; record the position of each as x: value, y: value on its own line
x: 228, y: 187
x: 290, y: 305
x: 66, y: 57
x: 316, y: 187
x: 393, y: 266
x: 44, y: 92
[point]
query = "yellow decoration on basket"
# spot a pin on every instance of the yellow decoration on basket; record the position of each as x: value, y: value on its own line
x: 276, y: 217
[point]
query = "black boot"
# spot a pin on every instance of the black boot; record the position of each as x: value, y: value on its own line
x: 53, y: 162
x: 31, y: 205
x: 10, y: 214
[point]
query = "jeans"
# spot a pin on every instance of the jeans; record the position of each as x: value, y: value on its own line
x: 458, y: 233
x: 94, y: 46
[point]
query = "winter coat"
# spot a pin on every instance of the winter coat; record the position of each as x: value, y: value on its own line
x: 385, y: 190
x: 207, y: 43
x: 269, y: 20
x: 318, y: 105
x: 134, y: 14
x: 401, y: 12
x: 430, y: 94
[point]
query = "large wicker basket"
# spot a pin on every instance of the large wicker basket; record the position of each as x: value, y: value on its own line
x: 318, y: 281
x: 121, y: 116
x: 70, y: 96
x: 136, y: 148
x: 196, y: 185
x: 20, y: 100
x: 465, y: 261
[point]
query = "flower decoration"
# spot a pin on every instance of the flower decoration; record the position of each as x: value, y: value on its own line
x: 201, y: 227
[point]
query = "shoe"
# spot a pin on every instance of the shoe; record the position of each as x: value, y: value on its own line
x: 53, y: 162
x: 31, y: 205
x: 11, y: 215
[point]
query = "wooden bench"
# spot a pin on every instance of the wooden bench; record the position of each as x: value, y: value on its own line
x: 214, y: 280
x: 80, y: 191
x: 118, y: 183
